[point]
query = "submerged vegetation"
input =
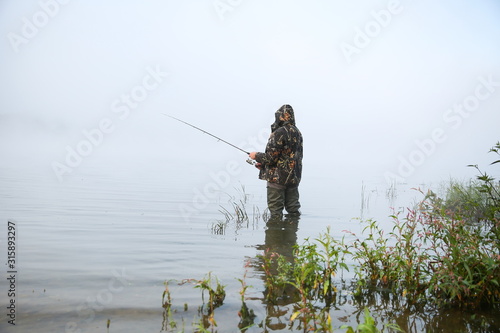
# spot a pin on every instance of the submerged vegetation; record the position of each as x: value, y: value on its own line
x: 440, y: 255
x: 237, y: 214
x: 306, y: 318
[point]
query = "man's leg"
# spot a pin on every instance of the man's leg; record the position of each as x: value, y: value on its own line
x: 275, y: 201
x: 292, y: 203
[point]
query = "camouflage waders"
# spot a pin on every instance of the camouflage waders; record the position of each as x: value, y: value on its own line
x: 279, y: 197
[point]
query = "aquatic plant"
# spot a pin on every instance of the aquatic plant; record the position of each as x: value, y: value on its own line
x: 246, y: 315
x: 168, y: 323
x: 310, y: 274
x: 216, y: 295
x: 166, y: 293
x: 390, y: 260
x: 430, y: 258
x: 275, y: 280
x: 369, y: 325
x: 489, y: 187
x: 236, y: 214
x: 316, y: 264
x: 467, y: 200
x: 206, y: 319
x: 464, y: 260
x: 477, y: 200
x: 166, y: 303
x: 437, y: 255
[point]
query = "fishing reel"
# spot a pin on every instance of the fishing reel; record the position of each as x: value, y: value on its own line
x: 254, y: 163
x: 251, y: 162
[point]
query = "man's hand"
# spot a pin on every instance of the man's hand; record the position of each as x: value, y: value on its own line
x: 252, y: 156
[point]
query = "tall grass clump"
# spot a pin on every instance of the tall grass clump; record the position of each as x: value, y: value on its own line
x: 477, y: 200
x: 430, y: 257
x: 390, y: 260
x: 444, y: 251
x: 469, y: 201
x: 236, y: 214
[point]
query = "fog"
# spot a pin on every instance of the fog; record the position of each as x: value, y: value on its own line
x: 403, y: 90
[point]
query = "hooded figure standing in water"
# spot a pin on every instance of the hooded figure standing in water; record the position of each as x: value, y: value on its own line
x: 281, y: 164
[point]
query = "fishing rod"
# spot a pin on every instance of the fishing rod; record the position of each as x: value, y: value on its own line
x: 250, y: 161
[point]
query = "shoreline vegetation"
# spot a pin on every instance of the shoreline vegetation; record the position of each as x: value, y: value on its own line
x: 441, y: 255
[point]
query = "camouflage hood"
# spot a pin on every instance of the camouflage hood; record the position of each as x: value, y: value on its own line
x: 283, y: 116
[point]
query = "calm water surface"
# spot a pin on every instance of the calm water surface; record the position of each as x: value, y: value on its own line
x: 101, y: 244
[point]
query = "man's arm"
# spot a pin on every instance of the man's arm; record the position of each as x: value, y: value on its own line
x: 274, y: 149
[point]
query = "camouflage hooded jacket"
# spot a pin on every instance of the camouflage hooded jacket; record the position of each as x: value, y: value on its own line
x: 282, y: 160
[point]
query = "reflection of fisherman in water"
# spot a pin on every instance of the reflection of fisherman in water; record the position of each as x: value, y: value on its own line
x: 281, y: 237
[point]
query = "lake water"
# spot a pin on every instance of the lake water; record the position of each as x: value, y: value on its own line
x: 99, y: 245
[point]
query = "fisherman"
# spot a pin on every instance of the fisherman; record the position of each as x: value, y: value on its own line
x: 281, y: 164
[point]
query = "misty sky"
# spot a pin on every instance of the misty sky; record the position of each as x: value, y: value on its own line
x: 410, y: 88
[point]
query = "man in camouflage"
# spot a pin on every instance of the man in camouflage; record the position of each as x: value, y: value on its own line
x: 281, y: 164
